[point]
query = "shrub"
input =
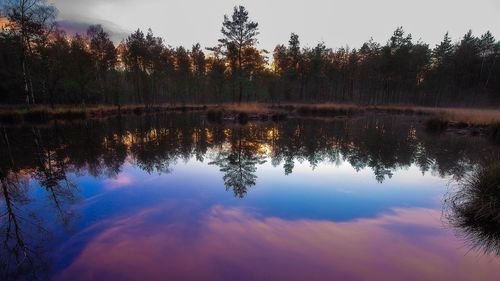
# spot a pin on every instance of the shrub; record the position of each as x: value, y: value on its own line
x: 475, y: 208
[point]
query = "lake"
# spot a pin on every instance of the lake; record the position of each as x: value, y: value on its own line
x: 175, y: 197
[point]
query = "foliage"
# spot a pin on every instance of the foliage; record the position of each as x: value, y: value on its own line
x: 40, y: 64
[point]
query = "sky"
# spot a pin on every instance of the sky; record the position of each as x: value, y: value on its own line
x: 337, y: 23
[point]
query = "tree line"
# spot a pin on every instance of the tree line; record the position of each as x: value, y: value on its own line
x: 41, y: 64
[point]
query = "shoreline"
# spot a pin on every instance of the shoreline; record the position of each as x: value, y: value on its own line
x: 459, y: 119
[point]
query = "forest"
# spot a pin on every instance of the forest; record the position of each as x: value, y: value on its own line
x: 40, y: 64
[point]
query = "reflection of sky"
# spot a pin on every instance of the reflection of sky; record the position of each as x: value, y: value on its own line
x: 327, y: 192
x: 160, y: 243
x: 330, y: 221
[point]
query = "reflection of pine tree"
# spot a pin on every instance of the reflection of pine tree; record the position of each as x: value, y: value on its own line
x: 288, y: 166
x: 239, y: 166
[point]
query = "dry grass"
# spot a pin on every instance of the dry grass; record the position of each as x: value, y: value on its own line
x: 249, y: 108
x: 470, y: 116
x: 41, y: 114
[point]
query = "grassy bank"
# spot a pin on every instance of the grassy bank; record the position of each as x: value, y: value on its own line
x: 41, y: 114
x: 472, y: 116
x: 459, y: 120
x: 462, y: 116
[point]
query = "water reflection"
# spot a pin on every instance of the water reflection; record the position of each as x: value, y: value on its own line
x: 239, y: 162
x: 231, y: 244
x: 154, y: 143
x: 47, y: 160
x: 19, y: 256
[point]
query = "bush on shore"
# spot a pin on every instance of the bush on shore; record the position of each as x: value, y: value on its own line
x: 475, y: 208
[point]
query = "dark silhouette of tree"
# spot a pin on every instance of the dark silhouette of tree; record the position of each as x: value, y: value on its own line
x: 239, y: 34
x: 199, y: 66
x: 183, y: 73
x: 441, y: 80
x: 103, y: 55
x: 81, y: 69
x: 135, y: 59
x: 55, y: 57
x: 35, y: 60
x: 216, y: 72
x: 30, y: 21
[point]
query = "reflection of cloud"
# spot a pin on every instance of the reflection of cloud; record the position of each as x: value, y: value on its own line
x: 228, y: 244
x: 118, y: 182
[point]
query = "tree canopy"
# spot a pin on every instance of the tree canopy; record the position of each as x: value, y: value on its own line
x: 41, y: 64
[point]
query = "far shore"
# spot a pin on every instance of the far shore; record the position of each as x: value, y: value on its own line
x: 40, y: 113
x: 462, y: 121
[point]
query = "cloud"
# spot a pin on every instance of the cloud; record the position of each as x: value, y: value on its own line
x: 118, y: 182
x: 335, y: 22
x: 76, y: 16
x: 230, y: 244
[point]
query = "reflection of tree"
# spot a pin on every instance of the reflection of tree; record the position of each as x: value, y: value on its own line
x: 50, y: 155
x: 52, y: 175
x: 288, y: 166
x: 21, y: 232
x: 239, y: 165
x: 156, y: 142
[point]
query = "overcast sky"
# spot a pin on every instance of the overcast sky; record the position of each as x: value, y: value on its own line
x: 336, y: 22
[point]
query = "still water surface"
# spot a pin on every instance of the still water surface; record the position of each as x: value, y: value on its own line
x: 174, y: 197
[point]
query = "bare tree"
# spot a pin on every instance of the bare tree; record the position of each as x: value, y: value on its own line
x: 31, y: 21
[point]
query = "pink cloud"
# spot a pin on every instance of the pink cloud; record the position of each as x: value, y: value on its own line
x: 118, y: 182
x: 229, y: 244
